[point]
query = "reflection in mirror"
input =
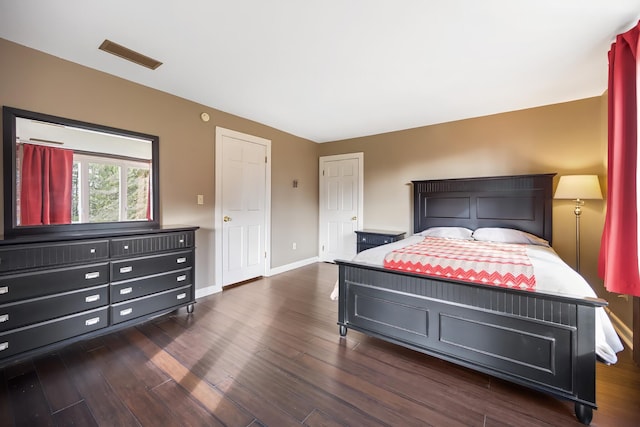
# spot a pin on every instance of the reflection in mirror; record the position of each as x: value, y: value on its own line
x: 68, y: 175
x: 88, y: 184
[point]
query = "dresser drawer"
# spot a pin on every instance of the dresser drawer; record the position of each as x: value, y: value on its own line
x: 46, y: 282
x: 140, y: 245
x: 134, y: 288
x: 367, y: 239
x: 30, y: 337
x: 22, y: 257
x: 35, y: 310
x: 131, y: 309
x: 376, y: 239
x: 144, y: 266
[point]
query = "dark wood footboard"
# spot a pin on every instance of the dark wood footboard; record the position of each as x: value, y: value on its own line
x: 541, y: 341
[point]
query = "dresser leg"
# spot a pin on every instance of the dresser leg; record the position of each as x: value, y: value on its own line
x: 190, y: 308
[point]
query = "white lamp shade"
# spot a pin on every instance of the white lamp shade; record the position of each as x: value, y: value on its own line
x: 578, y: 187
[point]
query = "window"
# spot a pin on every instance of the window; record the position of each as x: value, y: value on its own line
x: 106, y: 189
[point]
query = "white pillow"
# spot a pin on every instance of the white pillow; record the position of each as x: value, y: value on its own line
x: 448, y: 232
x: 507, y: 235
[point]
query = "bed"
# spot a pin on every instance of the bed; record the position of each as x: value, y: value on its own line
x: 539, y: 339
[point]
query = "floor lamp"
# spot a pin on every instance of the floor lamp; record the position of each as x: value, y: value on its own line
x: 578, y: 188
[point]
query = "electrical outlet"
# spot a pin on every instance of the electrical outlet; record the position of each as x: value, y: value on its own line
x: 200, y: 199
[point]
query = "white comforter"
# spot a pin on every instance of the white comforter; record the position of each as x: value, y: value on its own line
x: 552, y: 276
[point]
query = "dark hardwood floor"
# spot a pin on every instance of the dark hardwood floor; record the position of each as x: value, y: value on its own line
x: 268, y: 353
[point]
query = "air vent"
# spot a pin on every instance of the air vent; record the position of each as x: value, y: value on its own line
x: 129, y: 55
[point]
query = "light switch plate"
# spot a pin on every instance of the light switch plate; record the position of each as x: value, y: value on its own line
x: 200, y: 199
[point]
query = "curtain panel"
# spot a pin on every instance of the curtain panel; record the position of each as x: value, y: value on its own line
x: 618, y: 259
x: 46, y: 181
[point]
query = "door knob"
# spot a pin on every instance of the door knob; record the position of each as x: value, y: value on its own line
x: 354, y: 218
x: 226, y: 218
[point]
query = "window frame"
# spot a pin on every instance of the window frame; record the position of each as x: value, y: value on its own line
x: 124, y: 164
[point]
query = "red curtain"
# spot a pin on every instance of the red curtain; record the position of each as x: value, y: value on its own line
x: 618, y: 261
x: 45, y: 193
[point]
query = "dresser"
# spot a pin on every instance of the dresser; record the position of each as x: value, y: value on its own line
x: 367, y: 239
x: 58, y: 289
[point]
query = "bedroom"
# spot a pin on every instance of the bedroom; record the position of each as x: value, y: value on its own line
x: 531, y: 141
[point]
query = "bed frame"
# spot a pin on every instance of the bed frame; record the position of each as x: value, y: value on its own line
x: 542, y: 341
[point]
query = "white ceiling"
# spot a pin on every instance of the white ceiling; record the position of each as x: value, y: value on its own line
x: 333, y: 69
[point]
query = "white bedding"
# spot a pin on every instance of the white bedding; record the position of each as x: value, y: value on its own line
x: 552, y: 276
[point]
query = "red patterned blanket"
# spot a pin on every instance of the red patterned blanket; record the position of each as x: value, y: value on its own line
x: 499, y: 264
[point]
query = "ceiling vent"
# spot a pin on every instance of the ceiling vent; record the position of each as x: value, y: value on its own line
x: 129, y: 55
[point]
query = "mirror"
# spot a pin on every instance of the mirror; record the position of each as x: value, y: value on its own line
x: 64, y: 175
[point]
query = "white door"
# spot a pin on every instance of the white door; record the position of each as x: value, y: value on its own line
x: 341, y: 186
x: 241, y: 206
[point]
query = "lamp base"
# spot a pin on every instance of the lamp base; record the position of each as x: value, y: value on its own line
x: 578, y: 212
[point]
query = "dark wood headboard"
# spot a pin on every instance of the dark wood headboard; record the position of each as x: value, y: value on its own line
x: 522, y: 202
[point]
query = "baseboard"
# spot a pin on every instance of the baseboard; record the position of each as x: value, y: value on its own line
x: 625, y: 333
x: 292, y: 266
x: 209, y: 290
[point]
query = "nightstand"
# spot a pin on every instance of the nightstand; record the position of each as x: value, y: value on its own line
x: 371, y: 238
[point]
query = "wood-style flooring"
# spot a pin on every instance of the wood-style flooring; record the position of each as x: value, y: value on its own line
x: 268, y: 353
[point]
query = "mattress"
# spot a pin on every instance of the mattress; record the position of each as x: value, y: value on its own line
x: 553, y: 276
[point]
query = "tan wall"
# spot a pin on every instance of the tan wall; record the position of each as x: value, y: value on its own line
x: 565, y: 138
x: 35, y: 81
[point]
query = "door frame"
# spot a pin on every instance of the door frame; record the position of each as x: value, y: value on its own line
x: 218, y: 216
x: 322, y: 188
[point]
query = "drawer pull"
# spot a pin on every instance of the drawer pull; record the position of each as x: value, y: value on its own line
x: 181, y: 240
x: 92, y: 250
x: 4, y: 318
x: 92, y: 275
x: 181, y: 296
x: 4, y: 290
x: 125, y: 291
x: 181, y: 278
x: 4, y: 345
x: 127, y: 269
x: 126, y: 247
x: 92, y: 298
x: 91, y: 321
x: 126, y: 311
x: 181, y: 260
